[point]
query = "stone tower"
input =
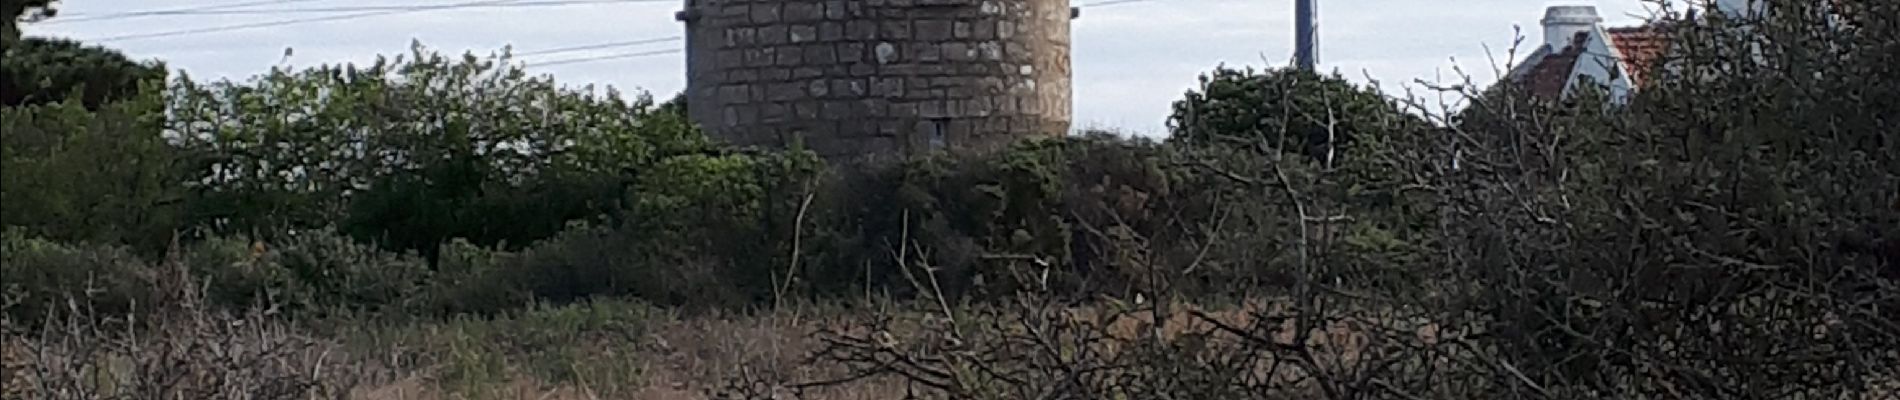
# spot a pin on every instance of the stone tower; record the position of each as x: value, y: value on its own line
x: 862, y: 78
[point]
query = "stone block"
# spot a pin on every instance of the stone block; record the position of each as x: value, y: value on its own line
x: 785, y: 92
x: 885, y: 53
x: 982, y: 30
x: 962, y: 29
x: 821, y: 54
x: 773, y: 35
x: 836, y: 10
x: 979, y: 107
x: 806, y: 110
x: 765, y: 13
x: 735, y: 11
x: 818, y: 88
x: 958, y: 52
x: 894, y: 30
x: 773, y: 113
x: 935, y: 69
x: 730, y: 58
x: 735, y: 94
x: 803, y: 11
x: 899, y: 69
x: 990, y: 51
x: 848, y: 87
x: 759, y: 57
x: 802, y: 33
x: 829, y: 32
x: 904, y: 110
x: 776, y: 74
x: 807, y: 72
x: 1030, y: 105
x: 741, y: 36
x: 962, y: 90
x: 990, y: 85
x: 748, y: 114
x: 1016, y: 52
x: 870, y: 108
x: 860, y: 30
x: 789, y: 56
x: 888, y: 87
x: 851, y: 53
x: 742, y: 75
x: 932, y: 109
x: 836, y: 110
x: 934, y: 30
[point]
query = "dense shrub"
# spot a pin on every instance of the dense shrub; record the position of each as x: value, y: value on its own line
x: 107, y: 176
x: 50, y: 71
x: 44, y: 276
x: 328, y: 272
x: 413, y: 152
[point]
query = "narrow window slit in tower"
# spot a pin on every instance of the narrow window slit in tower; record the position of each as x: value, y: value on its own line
x: 939, y: 128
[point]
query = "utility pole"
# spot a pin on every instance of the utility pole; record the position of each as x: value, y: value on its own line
x: 1306, y: 34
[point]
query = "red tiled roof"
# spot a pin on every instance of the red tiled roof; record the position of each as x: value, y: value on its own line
x: 1551, y: 75
x: 1642, y: 47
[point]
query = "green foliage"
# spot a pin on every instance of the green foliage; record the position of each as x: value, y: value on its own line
x: 1284, y: 109
x: 108, y: 176
x: 329, y: 272
x: 17, y: 11
x: 44, y: 276
x: 412, y: 153
x: 44, y: 71
x: 590, y: 344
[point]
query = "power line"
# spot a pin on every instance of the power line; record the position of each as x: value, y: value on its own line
x: 345, y: 9
x: 604, y: 58
x: 620, y: 56
x: 1111, y: 2
x: 597, y: 46
x: 277, y: 23
x: 134, y: 14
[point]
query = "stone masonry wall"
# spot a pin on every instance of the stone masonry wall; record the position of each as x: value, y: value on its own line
x: 853, y: 78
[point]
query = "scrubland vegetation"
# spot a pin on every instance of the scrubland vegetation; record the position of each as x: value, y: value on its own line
x: 434, y: 227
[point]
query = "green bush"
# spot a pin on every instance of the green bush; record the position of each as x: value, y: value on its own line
x: 72, y: 174
x: 328, y: 272
x: 42, y: 275
x: 237, y: 273
x: 592, y: 344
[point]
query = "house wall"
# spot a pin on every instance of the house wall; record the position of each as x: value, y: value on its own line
x: 1601, y: 64
x: 855, y: 78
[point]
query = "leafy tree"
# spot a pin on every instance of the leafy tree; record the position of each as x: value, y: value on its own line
x: 72, y: 174
x: 17, y: 11
x: 414, y: 151
x: 1284, y: 109
x: 39, y: 70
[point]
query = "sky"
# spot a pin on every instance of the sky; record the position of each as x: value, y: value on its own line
x: 1131, y: 60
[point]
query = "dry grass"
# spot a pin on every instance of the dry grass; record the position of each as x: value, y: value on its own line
x: 715, y: 356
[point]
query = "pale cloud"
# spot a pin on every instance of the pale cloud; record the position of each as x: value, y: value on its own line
x: 1130, y: 60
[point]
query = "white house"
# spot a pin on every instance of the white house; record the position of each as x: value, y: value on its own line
x: 1577, y: 49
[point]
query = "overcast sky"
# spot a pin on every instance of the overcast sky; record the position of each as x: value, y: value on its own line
x: 1131, y: 60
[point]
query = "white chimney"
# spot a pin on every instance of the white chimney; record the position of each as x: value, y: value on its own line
x: 1563, y: 23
